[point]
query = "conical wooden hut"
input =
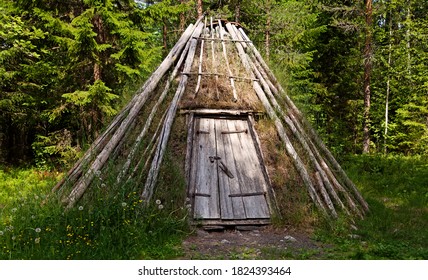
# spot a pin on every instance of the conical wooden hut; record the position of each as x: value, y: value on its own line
x: 215, y: 79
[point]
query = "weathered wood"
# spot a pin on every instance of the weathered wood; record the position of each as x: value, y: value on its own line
x: 295, y: 112
x: 166, y: 130
x: 214, y: 62
x: 150, y: 85
x: 325, y: 175
x: 149, y: 119
x: 300, y: 137
x: 211, y: 223
x: 74, y: 173
x: 220, y: 75
x: 271, y: 199
x: 148, y: 152
x: 189, y: 145
x: 206, y: 174
x: 250, y: 171
x: 298, y: 163
x: 318, y: 161
x: 325, y: 195
x: 219, y: 40
x: 220, y: 112
x: 201, y: 56
x: 231, y: 208
x: 300, y: 167
x: 226, y: 59
x: 241, y: 52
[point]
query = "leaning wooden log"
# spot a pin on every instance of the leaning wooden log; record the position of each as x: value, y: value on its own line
x: 324, y: 171
x: 298, y: 163
x: 190, y: 129
x: 157, y: 160
x: 148, y: 152
x: 201, y: 56
x: 253, y: 69
x: 74, y: 173
x: 151, y: 83
x: 300, y: 137
x: 226, y: 59
x: 214, y: 62
x: 298, y: 117
x: 152, y: 114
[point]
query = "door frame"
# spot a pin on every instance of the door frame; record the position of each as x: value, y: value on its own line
x: 228, y: 115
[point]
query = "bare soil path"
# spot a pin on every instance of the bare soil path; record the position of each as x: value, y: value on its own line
x: 253, y: 243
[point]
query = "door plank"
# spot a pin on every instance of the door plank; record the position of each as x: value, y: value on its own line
x: 206, y: 178
x: 231, y: 207
x: 252, y: 176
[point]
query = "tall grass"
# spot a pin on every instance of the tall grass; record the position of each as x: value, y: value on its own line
x: 114, y: 226
x: 396, y: 188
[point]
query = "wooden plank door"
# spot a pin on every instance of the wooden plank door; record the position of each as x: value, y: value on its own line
x: 226, y: 173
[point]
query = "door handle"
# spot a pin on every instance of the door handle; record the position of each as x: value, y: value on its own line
x: 225, y: 170
x: 214, y: 158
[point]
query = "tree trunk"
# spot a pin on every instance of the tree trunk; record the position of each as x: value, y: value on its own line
x: 267, y: 34
x: 408, y: 19
x: 165, y: 36
x: 182, y: 19
x: 199, y: 8
x: 388, y: 82
x: 238, y: 11
x: 367, y: 76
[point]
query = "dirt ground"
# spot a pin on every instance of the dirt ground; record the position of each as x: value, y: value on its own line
x: 252, y: 243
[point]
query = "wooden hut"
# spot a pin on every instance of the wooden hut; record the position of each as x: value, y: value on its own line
x: 216, y: 78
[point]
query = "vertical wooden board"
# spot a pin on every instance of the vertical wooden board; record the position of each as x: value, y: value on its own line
x: 206, y: 177
x: 251, y: 172
x: 231, y: 207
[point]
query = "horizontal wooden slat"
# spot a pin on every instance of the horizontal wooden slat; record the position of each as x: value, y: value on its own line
x: 202, y: 194
x: 237, y: 131
x: 247, y: 194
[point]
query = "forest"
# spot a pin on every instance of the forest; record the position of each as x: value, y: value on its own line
x: 357, y: 69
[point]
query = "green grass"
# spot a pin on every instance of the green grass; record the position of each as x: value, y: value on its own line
x: 396, y: 188
x: 114, y: 226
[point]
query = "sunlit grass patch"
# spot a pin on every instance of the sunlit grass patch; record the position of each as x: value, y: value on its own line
x: 397, y: 225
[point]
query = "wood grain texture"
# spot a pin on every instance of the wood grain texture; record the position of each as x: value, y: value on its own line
x: 239, y: 193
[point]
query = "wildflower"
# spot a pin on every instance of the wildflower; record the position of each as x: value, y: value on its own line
x: 187, y: 199
x: 158, y: 202
x: 1, y: 233
x: 80, y: 208
x: 103, y: 185
x: 98, y: 172
x: 36, y: 197
x: 33, y: 217
x: 14, y: 210
x: 160, y: 207
x: 37, y: 240
x: 188, y: 206
x: 13, y: 237
x: 123, y: 204
x: 38, y: 230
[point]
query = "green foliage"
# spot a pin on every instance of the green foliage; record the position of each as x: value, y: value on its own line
x: 114, y: 226
x: 396, y: 227
x: 55, y: 150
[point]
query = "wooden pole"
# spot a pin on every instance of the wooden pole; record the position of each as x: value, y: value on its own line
x: 232, y: 81
x: 166, y: 130
x: 214, y: 62
x: 150, y: 85
x: 152, y: 114
x: 201, y: 57
x: 298, y: 117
